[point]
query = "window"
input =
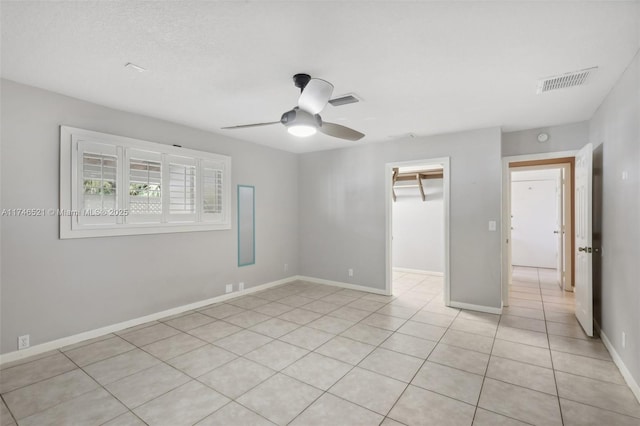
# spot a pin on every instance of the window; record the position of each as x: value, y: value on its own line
x: 182, y: 189
x: 99, y: 188
x: 144, y: 170
x: 111, y: 185
x: 211, y: 190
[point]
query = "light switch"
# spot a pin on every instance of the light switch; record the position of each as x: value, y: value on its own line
x: 492, y: 225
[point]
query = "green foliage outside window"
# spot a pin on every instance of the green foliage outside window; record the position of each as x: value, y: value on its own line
x: 97, y: 187
x: 144, y: 190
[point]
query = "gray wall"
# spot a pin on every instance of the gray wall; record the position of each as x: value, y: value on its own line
x: 566, y: 137
x: 616, y: 125
x: 342, y: 211
x: 418, y: 227
x: 53, y: 288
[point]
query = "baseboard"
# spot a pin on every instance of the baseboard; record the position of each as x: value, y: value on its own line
x: 342, y: 285
x: 479, y: 308
x: 631, y: 382
x: 419, y: 272
x: 76, y: 338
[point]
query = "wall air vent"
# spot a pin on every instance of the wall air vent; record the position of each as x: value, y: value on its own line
x: 570, y: 79
x: 350, y: 98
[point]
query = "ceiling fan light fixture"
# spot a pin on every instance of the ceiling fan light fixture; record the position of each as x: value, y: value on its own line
x: 300, y: 123
x: 302, y: 130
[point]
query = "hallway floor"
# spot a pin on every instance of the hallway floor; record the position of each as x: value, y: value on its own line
x: 308, y: 354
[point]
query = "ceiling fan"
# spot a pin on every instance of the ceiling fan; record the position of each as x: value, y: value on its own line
x: 304, y: 120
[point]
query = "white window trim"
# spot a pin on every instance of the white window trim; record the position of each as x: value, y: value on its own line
x: 69, y: 137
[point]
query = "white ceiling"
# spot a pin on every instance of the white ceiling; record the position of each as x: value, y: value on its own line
x: 421, y: 67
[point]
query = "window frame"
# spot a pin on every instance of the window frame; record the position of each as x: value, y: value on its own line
x: 73, y: 139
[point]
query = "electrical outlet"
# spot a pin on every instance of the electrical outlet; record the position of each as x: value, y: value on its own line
x: 350, y: 272
x: 286, y: 267
x: 229, y: 288
x: 492, y: 225
x: 240, y: 286
x: 23, y: 342
x: 624, y: 340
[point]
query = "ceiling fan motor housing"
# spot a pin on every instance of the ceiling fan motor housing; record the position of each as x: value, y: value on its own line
x: 299, y: 117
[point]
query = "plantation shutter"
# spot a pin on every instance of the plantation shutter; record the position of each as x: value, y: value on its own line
x: 145, y: 189
x: 182, y: 189
x: 212, y: 190
x: 98, y: 184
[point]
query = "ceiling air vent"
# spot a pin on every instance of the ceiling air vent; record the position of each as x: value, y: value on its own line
x: 350, y: 98
x: 570, y: 79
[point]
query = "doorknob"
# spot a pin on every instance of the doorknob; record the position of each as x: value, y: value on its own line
x: 555, y: 232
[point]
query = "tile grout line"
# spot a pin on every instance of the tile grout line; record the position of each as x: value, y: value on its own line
x: 484, y: 376
x: 9, y: 410
x: 555, y: 381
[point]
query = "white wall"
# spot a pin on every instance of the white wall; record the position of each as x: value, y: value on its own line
x: 54, y: 288
x: 418, y: 227
x: 616, y: 125
x: 343, y: 214
x: 566, y: 137
x: 534, y: 211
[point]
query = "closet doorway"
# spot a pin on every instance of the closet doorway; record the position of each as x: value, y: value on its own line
x: 418, y: 225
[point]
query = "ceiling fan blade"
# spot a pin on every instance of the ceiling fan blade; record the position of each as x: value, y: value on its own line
x: 342, y: 132
x: 315, y: 96
x: 242, y: 126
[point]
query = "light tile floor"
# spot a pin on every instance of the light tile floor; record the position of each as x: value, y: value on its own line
x: 306, y: 354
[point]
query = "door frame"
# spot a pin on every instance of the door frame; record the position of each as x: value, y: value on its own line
x: 524, y: 160
x: 446, y: 199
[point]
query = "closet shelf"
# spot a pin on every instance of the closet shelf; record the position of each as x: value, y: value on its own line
x: 417, y: 176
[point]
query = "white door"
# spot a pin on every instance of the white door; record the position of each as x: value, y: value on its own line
x: 533, y: 222
x: 559, y: 231
x: 583, y: 218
